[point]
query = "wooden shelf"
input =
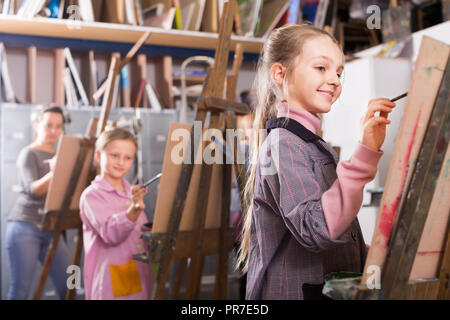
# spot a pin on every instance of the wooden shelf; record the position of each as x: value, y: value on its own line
x: 46, y: 32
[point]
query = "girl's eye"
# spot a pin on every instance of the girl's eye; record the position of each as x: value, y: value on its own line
x: 339, y: 75
x: 320, y: 68
x: 114, y: 155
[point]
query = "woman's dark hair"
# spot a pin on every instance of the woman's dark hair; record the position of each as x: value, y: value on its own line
x: 39, y: 112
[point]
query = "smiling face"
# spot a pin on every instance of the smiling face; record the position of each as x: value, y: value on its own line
x: 314, y: 83
x: 116, y: 159
x: 49, y: 128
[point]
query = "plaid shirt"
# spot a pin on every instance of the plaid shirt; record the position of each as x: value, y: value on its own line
x: 290, y: 246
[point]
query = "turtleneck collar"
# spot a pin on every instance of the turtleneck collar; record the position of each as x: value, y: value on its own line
x: 305, y: 118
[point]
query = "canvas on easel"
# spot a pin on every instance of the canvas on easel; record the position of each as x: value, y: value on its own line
x: 425, y: 94
x: 61, y: 209
x: 170, y: 176
x: 66, y: 158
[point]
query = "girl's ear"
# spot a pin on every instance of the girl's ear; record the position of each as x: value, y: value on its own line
x: 277, y: 72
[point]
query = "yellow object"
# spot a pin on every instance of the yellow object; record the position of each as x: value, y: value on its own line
x: 125, y: 279
x: 177, y: 21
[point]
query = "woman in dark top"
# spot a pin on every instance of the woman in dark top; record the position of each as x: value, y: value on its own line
x: 25, y: 242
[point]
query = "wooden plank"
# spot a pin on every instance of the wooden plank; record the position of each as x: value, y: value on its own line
x: 175, y: 290
x: 423, y: 289
x: 31, y: 88
x: 58, y: 77
x: 233, y: 79
x: 71, y: 220
x: 432, y: 244
x: 142, y: 65
x: 444, y: 272
x: 186, y: 245
x: 92, y: 78
x: 216, y: 104
x: 426, y: 79
x: 210, y: 16
x: 220, y: 290
x: 108, y: 95
x: 124, y: 61
x: 91, y: 128
x: 66, y: 161
x: 196, y: 265
x: 70, y: 295
x: 163, y: 82
x: 215, y: 87
x: 414, y: 211
x: 134, y: 50
x: 97, y: 31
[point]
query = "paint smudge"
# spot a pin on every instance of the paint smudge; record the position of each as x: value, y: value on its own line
x: 429, y: 253
x: 387, y: 217
x: 441, y: 145
x: 447, y: 169
x: 389, y: 210
x: 429, y: 69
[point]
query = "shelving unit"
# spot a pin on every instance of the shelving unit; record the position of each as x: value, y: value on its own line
x: 108, y: 37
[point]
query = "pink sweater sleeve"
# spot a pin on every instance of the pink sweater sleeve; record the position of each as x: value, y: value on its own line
x: 341, y: 203
x: 113, y: 228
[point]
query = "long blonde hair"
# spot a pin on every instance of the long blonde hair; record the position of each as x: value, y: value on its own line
x: 283, y: 46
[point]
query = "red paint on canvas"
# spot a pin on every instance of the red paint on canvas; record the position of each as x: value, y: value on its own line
x: 429, y: 253
x: 388, y: 213
x: 387, y: 217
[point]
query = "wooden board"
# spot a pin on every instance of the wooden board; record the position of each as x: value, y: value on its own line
x: 271, y: 13
x: 115, y: 11
x: 148, y: 3
x: 426, y: 80
x: 210, y: 16
x: 167, y: 188
x: 31, y: 88
x: 432, y: 243
x: 413, y: 213
x: 58, y: 76
x: 163, y: 82
x: 56, y: 30
x: 66, y: 156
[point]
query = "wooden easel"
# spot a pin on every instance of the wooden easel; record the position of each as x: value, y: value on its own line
x: 67, y: 217
x: 171, y: 244
x: 411, y: 243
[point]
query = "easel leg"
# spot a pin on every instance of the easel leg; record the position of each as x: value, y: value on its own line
x: 179, y: 278
x: 444, y: 273
x: 47, y: 266
x: 195, y: 277
x: 221, y: 288
x: 163, y: 274
x: 70, y: 295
